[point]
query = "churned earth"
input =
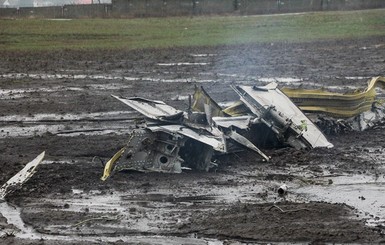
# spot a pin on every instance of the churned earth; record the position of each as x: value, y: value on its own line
x: 60, y: 103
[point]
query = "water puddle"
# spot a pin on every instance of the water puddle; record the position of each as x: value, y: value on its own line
x: 91, y: 77
x: 131, y: 211
x: 69, y: 161
x: 203, y: 55
x: 17, y: 93
x: 21, y: 93
x: 64, y: 130
x: 59, y: 19
x: 357, y: 78
x: 184, y: 64
x: 23, y: 231
x: 162, y: 209
x: 45, y: 76
x: 280, y: 79
x: 181, y: 80
x: 43, y: 117
x: 365, y: 193
x: 12, y: 214
x: 180, y: 97
x: 102, y: 123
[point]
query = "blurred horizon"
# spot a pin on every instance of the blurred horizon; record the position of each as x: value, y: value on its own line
x: 42, y: 3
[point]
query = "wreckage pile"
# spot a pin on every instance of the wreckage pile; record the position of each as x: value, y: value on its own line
x: 172, y: 140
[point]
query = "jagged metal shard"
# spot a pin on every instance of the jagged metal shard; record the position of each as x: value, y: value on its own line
x: 152, y: 109
x: 21, y: 177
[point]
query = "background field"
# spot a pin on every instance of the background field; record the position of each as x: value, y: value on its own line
x: 44, y: 34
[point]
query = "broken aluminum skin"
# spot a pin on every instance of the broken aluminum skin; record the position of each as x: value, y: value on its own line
x: 361, y: 122
x: 274, y: 109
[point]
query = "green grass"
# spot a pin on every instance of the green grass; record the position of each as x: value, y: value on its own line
x: 41, y: 34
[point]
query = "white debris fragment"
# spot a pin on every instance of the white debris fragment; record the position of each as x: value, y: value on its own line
x: 21, y: 177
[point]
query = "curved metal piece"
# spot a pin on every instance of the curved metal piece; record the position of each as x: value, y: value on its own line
x: 336, y: 104
x: 110, y: 164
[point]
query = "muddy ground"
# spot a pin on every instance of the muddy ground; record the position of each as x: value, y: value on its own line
x: 60, y: 102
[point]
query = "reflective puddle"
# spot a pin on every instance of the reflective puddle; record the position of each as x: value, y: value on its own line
x: 12, y: 214
x: 44, y: 76
x: 117, y: 122
x: 365, y: 193
x: 183, y: 64
x: 156, y: 211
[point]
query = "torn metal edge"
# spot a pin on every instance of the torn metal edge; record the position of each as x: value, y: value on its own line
x: 21, y: 177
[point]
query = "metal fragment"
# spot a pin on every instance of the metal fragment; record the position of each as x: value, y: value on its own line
x: 21, y: 177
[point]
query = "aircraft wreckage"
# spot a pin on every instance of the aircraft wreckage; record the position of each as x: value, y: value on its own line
x: 171, y: 140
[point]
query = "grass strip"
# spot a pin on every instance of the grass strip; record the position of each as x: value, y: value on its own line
x: 90, y: 34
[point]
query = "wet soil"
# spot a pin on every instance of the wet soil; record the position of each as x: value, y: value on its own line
x: 48, y: 102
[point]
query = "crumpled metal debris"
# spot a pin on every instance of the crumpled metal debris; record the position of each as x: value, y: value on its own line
x: 173, y: 140
x: 368, y: 119
x: 337, y: 105
x: 337, y: 113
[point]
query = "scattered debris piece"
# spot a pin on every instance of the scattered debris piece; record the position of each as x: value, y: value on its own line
x: 336, y: 105
x: 368, y: 119
x: 282, y: 190
x: 21, y: 177
x: 339, y: 113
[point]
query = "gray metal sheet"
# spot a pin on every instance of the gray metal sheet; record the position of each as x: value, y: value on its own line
x: 241, y: 122
x: 217, y: 143
x: 269, y: 96
x: 152, y: 109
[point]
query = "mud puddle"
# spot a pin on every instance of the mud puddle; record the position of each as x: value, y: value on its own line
x: 43, y: 117
x: 12, y: 214
x: 183, y: 64
x: 111, y: 215
x: 66, y: 130
x: 85, y: 230
x: 7, y: 94
x: 67, y: 124
x: 365, y: 193
x: 284, y: 81
x: 24, y: 231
